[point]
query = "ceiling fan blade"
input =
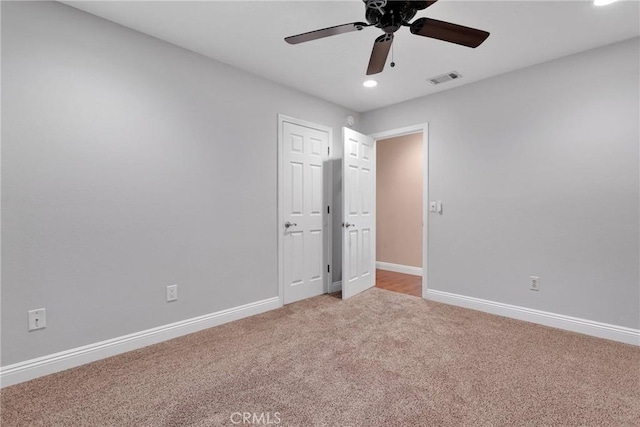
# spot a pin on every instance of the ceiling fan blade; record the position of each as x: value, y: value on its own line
x: 448, y: 32
x: 325, y: 32
x: 379, y: 54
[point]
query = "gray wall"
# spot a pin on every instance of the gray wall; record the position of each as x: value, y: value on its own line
x: 538, y: 173
x: 129, y: 164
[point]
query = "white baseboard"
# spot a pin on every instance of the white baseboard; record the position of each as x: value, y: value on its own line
x: 34, y: 368
x: 583, y: 326
x: 398, y: 268
x: 335, y: 287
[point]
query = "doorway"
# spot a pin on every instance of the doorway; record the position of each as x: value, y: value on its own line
x: 402, y: 210
x: 399, y: 171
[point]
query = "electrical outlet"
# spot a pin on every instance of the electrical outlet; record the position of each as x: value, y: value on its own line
x: 172, y: 293
x: 37, y: 319
x: 535, y: 283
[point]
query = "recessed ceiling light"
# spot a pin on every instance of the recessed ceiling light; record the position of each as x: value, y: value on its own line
x: 370, y: 83
x: 603, y: 2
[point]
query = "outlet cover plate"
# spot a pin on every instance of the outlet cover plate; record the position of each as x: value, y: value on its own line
x: 535, y: 283
x: 37, y: 319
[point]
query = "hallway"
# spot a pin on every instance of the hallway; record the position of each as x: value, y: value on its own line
x: 399, y: 282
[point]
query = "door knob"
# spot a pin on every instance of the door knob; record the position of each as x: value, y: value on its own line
x: 290, y: 224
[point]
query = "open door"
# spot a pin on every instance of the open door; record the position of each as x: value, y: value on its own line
x: 358, y: 213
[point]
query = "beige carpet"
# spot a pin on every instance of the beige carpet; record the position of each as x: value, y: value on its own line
x: 379, y: 359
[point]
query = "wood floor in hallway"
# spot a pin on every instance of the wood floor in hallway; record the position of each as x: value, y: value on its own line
x: 399, y: 282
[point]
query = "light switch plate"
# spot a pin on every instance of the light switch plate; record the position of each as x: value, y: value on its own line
x: 172, y: 293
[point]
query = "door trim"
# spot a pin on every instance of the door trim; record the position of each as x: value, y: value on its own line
x: 328, y: 191
x: 408, y: 130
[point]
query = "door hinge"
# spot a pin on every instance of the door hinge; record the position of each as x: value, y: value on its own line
x: 328, y: 209
x: 328, y: 268
x: 328, y: 151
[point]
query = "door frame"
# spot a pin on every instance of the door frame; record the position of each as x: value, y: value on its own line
x: 409, y: 130
x: 328, y: 193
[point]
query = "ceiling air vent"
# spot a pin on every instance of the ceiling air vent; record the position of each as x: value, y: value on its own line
x: 445, y: 78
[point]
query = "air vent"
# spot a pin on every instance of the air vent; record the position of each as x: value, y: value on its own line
x: 445, y: 78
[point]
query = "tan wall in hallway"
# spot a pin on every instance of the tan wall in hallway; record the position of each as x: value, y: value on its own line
x: 399, y: 200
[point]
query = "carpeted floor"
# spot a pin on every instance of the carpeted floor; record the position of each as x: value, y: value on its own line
x: 379, y: 359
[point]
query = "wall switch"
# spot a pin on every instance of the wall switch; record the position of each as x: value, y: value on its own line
x: 172, y: 293
x: 439, y: 207
x: 433, y: 207
x: 37, y: 319
x: 535, y: 283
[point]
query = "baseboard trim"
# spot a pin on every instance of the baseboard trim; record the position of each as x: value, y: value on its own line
x: 399, y: 268
x: 335, y: 287
x: 34, y: 368
x: 574, y: 324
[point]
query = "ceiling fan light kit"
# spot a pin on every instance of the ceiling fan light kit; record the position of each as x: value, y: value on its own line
x: 390, y: 16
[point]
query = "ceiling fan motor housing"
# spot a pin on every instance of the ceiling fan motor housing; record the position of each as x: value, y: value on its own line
x: 390, y: 15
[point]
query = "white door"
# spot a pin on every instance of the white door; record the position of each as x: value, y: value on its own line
x: 358, y: 213
x: 304, y: 217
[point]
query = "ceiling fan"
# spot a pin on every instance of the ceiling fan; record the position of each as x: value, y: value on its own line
x: 389, y: 16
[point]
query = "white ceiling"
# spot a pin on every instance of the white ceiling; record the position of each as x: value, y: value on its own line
x: 249, y: 35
